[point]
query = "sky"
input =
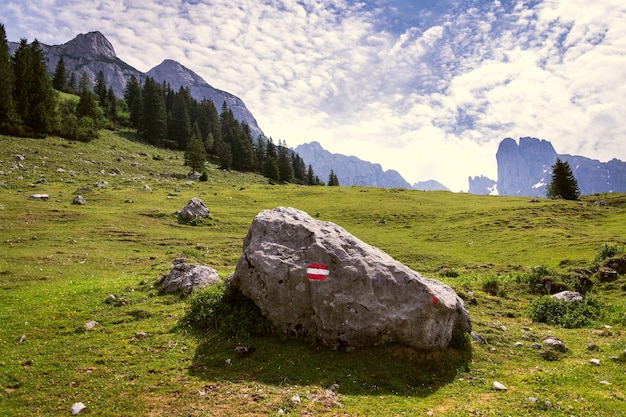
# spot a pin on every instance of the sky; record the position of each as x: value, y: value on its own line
x: 426, y: 87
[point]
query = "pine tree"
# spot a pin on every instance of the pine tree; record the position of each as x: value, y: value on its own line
x: 179, y: 121
x: 8, y: 117
x: 195, y: 155
x: 71, y: 84
x: 154, y: 123
x: 133, y: 95
x: 100, y: 89
x: 59, y: 81
x: 332, y: 179
x: 87, y: 105
x: 564, y: 184
x: 285, y: 168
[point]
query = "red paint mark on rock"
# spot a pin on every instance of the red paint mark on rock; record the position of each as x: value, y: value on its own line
x: 317, y: 272
x: 435, y: 300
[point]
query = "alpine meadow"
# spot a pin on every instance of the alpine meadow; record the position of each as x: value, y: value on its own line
x: 84, y: 320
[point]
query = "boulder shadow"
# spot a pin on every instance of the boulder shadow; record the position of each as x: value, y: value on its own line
x: 382, y: 370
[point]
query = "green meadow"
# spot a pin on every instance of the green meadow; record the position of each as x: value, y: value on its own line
x: 59, y: 262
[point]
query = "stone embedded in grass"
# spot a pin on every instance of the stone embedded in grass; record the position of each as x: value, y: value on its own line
x: 595, y: 361
x: 499, y: 386
x: 568, y: 296
x: 314, y: 279
x: 79, y: 200
x: 184, y: 278
x: 77, y: 408
x: 194, y: 208
x: 91, y: 324
x: 39, y: 197
x: 555, y: 344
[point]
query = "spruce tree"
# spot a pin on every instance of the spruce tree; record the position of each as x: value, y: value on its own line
x: 59, y: 81
x: 285, y: 167
x: 133, y: 95
x: 154, y: 122
x: 179, y: 121
x: 564, y: 184
x: 7, y: 105
x: 195, y: 155
x: 333, y: 181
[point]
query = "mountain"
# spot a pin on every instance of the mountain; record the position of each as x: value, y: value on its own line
x: 350, y: 170
x: 482, y: 185
x: 525, y: 169
x: 430, y: 185
x: 92, y: 52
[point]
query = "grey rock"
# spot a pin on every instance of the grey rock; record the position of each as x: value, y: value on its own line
x: 91, y: 324
x: 555, y: 344
x: 595, y: 362
x: 568, y: 296
x: 184, y: 278
x: 194, y: 208
x: 499, y: 386
x: 313, y: 278
x: 39, y: 197
x: 80, y: 200
x: 77, y: 408
x: 478, y: 338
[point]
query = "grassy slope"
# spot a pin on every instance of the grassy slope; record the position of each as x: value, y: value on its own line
x: 58, y: 263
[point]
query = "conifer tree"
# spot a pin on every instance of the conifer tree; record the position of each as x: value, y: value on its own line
x: 179, y: 121
x: 87, y: 105
x: 332, y: 179
x: 154, y: 122
x: 195, y: 155
x: 564, y: 184
x: 72, y: 87
x: 59, y: 81
x: 7, y: 105
x: 133, y: 95
x: 285, y: 167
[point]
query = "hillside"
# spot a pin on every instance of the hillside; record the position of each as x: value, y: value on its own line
x: 59, y: 262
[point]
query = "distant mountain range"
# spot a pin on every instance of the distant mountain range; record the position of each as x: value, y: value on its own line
x: 351, y: 170
x: 525, y: 169
x: 92, y: 52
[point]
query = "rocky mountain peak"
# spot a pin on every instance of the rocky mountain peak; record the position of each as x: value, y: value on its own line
x: 89, y: 45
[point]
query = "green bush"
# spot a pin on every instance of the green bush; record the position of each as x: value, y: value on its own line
x: 571, y: 315
x: 493, y: 286
x: 609, y: 250
x: 226, y: 310
x: 542, y: 280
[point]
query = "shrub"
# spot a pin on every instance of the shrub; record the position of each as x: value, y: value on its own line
x: 493, y: 286
x: 609, y: 251
x: 571, y: 315
x: 226, y: 310
x: 541, y: 280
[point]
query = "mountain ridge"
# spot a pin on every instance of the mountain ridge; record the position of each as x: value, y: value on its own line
x: 92, y: 52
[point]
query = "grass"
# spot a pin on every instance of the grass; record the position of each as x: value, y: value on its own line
x: 59, y: 262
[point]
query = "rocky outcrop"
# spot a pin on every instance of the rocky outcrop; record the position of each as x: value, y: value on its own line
x: 312, y: 278
x: 482, y: 185
x: 525, y: 169
x: 193, y: 209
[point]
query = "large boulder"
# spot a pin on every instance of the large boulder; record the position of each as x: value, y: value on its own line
x: 184, y: 278
x: 313, y: 278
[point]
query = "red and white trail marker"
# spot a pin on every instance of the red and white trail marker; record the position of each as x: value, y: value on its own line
x: 317, y: 272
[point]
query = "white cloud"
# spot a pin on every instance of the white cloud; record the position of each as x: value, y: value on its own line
x: 329, y: 70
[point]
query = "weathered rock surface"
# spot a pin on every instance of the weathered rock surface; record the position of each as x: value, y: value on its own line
x: 184, y: 278
x: 313, y: 278
x: 568, y: 296
x: 79, y: 200
x: 194, y: 208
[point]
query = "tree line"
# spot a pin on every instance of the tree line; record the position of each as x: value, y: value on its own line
x: 30, y: 105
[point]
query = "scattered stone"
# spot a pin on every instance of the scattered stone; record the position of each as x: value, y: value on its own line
x: 605, y: 383
x: 244, y: 350
x: 478, y: 338
x: 141, y: 335
x: 39, y: 196
x: 313, y: 278
x: 77, y: 408
x: 184, y: 278
x: 101, y: 184
x: 518, y: 344
x: 79, y: 200
x: 555, y: 344
x: 548, y: 404
x: 129, y: 200
x: 593, y: 347
x: 91, y: 324
x: 568, y: 296
x: 615, y: 358
x: 20, y: 157
x: 41, y: 181
x: 83, y: 190
x: 296, y: 399
x: 536, y: 346
x: 595, y: 362
x: 119, y: 159
x: 111, y: 298
x: 115, y: 171
x: 532, y: 400
x: 22, y: 339
x: 72, y: 173
x: 60, y: 170
x: 194, y: 208
x: 499, y: 387
x: 502, y: 328
x: 146, y: 187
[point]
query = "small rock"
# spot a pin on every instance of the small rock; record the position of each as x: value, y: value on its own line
x: 555, y: 344
x: 519, y: 344
x: 536, y: 346
x: 77, y: 408
x: 498, y: 386
x: 91, y: 324
x: 39, y: 196
x: 548, y: 404
x: 22, y: 339
x: 532, y: 400
x: 605, y: 383
x: 79, y: 200
x: 141, y: 335
x: 615, y: 358
x: 595, y: 361
x: 592, y: 346
x: 111, y: 298
x: 146, y: 187
x: 478, y: 338
x: 502, y: 327
x: 296, y: 399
